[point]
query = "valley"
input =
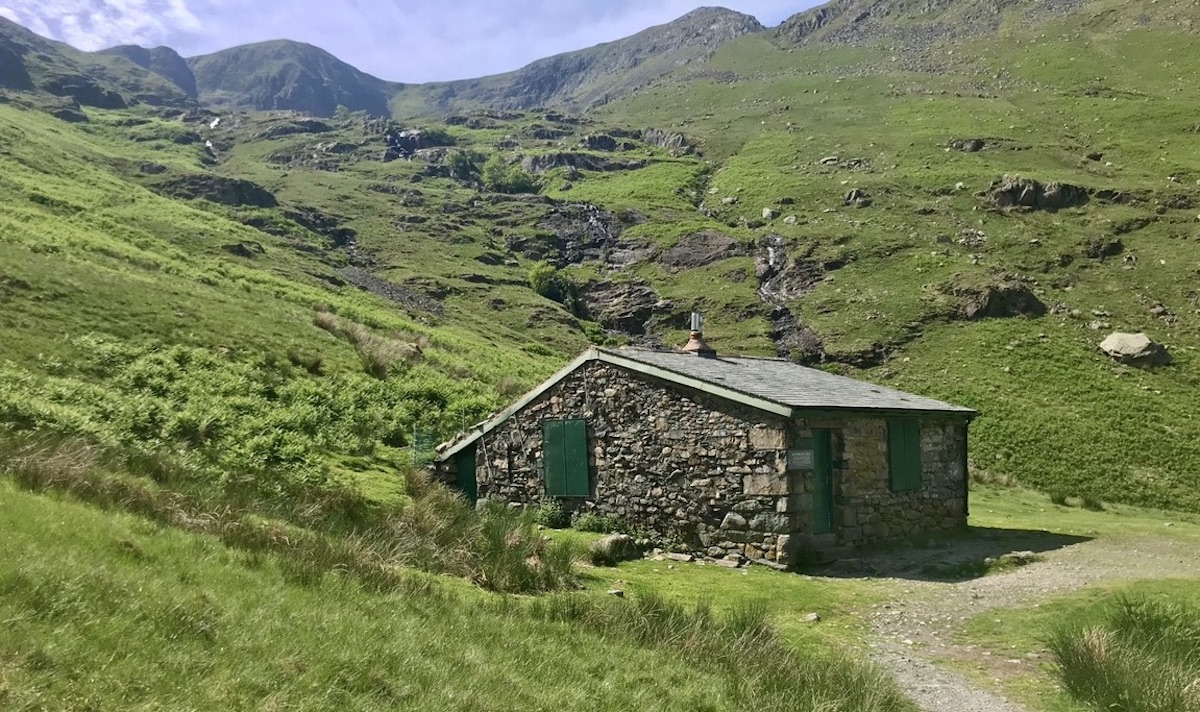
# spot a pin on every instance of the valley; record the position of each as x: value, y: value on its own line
x: 274, y: 300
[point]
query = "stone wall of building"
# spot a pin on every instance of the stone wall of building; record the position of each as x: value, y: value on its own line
x: 710, y: 475
x: 866, y: 510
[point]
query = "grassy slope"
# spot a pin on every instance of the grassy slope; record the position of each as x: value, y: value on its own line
x: 1055, y: 413
x: 89, y: 256
x: 218, y: 628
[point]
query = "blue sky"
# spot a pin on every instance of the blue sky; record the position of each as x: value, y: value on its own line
x: 401, y: 40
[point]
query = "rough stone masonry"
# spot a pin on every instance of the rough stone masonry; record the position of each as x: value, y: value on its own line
x: 703, y: 474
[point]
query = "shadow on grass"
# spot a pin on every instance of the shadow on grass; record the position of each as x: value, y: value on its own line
x: 956, y: 556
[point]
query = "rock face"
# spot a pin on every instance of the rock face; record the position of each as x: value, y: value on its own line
x: 218, y: 189
x: 620, y: 306
x: 1005, y: 297
x: 542, y: 162
x: 1135, y: 350
x: 1017, y: 192
x: 296, y: 126
x: 1101, y: 247
x: 701, y: 248
x: 684, y: 466
x: 582, y: 233
x: 676, y: 143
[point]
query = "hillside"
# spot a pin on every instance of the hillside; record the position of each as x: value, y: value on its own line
x: 286, y: 75
x: 814, y: 200
x: 163, y: 61
x: 586, y: 78
x: 29, y: 62
x: 235, y: 326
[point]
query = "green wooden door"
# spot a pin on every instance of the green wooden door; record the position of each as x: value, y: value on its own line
x: 822, y: 481
x: 565, y: 458
x: 464, y: 468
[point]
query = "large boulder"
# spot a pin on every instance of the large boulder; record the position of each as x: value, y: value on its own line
x: 614, y: 548
x: 1135, y: 349
x: 997, y: 298
x: 1018, y: 192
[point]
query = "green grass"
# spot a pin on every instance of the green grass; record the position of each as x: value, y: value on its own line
x: 1143, y: 655
x: 227, y: 628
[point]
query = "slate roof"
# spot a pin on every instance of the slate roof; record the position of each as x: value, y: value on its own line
x: 773, y: 385
x: 785, y: 383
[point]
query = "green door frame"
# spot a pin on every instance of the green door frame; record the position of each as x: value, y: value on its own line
x: 822, y: 481
x: 464, y: 473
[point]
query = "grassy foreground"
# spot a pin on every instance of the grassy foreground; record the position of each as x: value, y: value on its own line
x: 115, y: 611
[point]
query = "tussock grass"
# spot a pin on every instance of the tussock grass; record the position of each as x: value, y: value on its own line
x: 114, y: 613
x: 323, y: 531
x: 773, y: 676
x: 381, y: 356
x: 1143, y: 657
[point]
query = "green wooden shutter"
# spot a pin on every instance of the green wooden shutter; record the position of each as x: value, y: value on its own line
x: 554, y: 457
x: 576, y: 466
x: 822, y: 482
x: 904, y: 453
x: 565, y: 458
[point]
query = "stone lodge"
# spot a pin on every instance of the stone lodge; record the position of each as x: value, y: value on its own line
x: 729, y: 457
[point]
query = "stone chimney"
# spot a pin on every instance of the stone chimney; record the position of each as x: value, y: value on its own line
x: 695, y: 344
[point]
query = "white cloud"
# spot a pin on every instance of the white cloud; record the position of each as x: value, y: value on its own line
x: 96, y: 24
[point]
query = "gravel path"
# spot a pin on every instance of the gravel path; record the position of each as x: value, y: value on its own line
x: 915, y: 632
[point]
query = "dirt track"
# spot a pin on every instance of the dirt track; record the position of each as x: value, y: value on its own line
x: 914, y: 632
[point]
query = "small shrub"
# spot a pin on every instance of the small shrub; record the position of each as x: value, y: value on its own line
x: 500, y: 176
x: 552, y: 514
x: 1091, y: 503
x: 599, y: 524
x: 1058, y: 497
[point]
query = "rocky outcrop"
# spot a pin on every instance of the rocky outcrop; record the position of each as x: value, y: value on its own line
x: 999, y: 298
x: 1101, y: 247
x: 246, y: 248
x: 1135, y: 350
x: 968, y: 145
x: 857, y: 198
x: 1018, y: 192
x: 411, y: 299
x: 599, y: 142
x: 296, y: 126
x: 676, y: 143
x: 583, y: 233
x: 619, y: 306
x: 543, y: 162
x: 218, y: 189
x: 701, y: 248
